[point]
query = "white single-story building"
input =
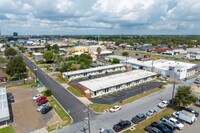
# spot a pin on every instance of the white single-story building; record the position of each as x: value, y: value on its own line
x: 4, y: 109
x: 175, y: 52
x: 168, y: 68
x: 193, y: 55
x: 93, y: 71
x: 108, y: 84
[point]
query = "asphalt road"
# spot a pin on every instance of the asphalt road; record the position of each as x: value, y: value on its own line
x: 107, y: 120
x: 76, y: 109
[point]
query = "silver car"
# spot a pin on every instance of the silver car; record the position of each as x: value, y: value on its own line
x: 151, y: 112
x: 41, y: 107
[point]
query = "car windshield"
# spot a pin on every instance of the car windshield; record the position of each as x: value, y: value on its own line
x: 114, y: 107
x: 177, y: 122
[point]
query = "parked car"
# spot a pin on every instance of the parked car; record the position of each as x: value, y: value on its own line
x: 150, y: 129
x: 40, y: 98
x: 161, y: 127
x: 176, y: 123
x: 187, y: 116
x: 163, y: 104
x: 41, y: 107
x: 169, y: 126
x: 151, y: 112
x: 36, y: 96
x: 175, y: 114
x: 197, y: 81
x: 197, y: 103
x: 46, y: 109
x: 42, y: 102
x: 122, y: 125
x: 115, y: 108
x: 138, y: 118
x: 192, y: 111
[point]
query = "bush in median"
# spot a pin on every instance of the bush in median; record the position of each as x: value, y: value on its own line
x: 47, y: 93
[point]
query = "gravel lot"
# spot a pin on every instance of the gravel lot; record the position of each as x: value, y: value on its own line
x: 25, y: 117
x: 194, y: 128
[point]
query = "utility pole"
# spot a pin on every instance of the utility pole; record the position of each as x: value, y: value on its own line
x: 88, y: 111
x: 174, y: 85
x: 35, y: 70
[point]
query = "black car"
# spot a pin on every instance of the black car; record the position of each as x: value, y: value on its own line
x: 138, y: 118
x: 46, y: 109
x: 169, y: 126
x: 121, y: 125
x: 151, y: 129
x: 161, y: 127
x: 192, y: 111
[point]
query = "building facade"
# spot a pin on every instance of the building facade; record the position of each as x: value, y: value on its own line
x: 4, y: 109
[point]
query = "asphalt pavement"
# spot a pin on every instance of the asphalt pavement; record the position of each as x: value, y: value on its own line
x: 76, y: 109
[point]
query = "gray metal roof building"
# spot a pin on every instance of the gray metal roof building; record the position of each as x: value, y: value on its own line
x: 4, y: 110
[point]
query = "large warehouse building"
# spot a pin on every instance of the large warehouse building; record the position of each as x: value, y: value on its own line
x: 168, y: 68
x: 4, y: 110
x: 103, y: 85
x: 93, y: 71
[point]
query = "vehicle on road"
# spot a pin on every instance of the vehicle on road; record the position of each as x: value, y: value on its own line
x: 138, y: 118
x: 115, y: 108
x: 197, y: 81
x: 106, y: 131
x: 150, y: 129
x: 161, y: 127
x: 169, y: 126
x: 36, y: 96
x: 187, y: 116
x: 192, y: 111
x: 42, y: 102
x: 40, y: 98
x: 151, y: 112
x: 121, y: 125
x: 46, y: 109
x: 163, y: 104
x: 41, y: 107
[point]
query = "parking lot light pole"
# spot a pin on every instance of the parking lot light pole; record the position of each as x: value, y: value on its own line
x: 35, y: 70
x: 174, y: 86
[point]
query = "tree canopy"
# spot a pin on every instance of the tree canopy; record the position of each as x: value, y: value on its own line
x: 184, y: 96
x: 10, y: 52
x: 48, y: 56
x: 98, y: 51
x: 16, y: 67
x: 125, y: 53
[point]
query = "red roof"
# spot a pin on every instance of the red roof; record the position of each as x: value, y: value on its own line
x: 160, y: 50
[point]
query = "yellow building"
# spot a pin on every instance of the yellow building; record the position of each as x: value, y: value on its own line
x: 80, y: 49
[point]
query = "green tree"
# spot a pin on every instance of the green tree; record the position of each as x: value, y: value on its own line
x: 48, y: 47
x: 115, y: 61
x: 10, y: 52
x: 16, y: 67
x: 74, y: 67
x: 126, y: 54
x: 48, y: 56
x: 99, y: 51
x: 3, y: 60
x: 55, y: 48
x: 47, y: 93
x: 22, y: 49
x: 184, y: 96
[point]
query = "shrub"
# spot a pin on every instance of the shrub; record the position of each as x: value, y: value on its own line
x: 47, y: 93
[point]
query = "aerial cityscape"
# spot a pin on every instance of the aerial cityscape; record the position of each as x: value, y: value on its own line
x: 99, y: 66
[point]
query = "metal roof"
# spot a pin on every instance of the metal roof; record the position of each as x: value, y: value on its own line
x: 4, y: 111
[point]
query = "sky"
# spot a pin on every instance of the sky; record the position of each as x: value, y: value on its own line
x: 100, y: 17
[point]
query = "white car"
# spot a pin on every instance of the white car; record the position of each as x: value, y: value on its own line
x: 175, y: 114
x: 41, y: 107
x: 115, y: 108
x: 37, y: 96
x: 163, y: 104
x: 176, y: 123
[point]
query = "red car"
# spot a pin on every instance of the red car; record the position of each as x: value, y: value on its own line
x: 42, y: 102
x: 41, y: 98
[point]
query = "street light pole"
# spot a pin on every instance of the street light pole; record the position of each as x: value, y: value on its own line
x: 88, y: 111
x: 35, y: 70
x: 174, y: 85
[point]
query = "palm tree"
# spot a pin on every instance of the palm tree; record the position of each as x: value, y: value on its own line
x: 98, y: 51
x: 126, y: 54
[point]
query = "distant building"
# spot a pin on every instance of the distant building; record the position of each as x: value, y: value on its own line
x: 175, y: 52
x: 79, y: 49
x: 38, y: 56
x: 2, y: 77
x: 15, y: 34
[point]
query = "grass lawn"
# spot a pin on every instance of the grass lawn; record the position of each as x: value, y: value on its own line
x: 74, y: 91
x: 140, y: 127
x: 59, y: 80
x: 61, y: 113
x: 101, y: 107
x: 8, y: 129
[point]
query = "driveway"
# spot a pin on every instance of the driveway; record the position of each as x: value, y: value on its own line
x: 25, y: 116
x: 124, y: 94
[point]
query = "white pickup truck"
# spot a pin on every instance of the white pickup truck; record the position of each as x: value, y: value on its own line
x: 186, y: 116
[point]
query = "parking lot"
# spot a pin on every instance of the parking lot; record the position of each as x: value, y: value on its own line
x: 25, y: 117
x: 194, y: 128
x: 125, y: 93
